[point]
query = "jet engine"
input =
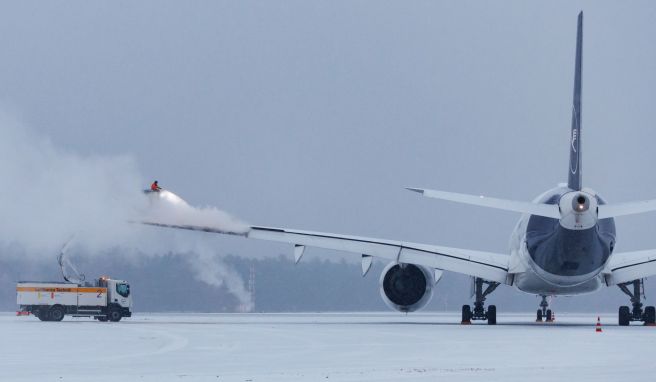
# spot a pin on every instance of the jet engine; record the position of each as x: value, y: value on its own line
x: 406, y: 287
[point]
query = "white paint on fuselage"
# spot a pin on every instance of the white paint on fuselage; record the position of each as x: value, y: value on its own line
x: 529, y: 277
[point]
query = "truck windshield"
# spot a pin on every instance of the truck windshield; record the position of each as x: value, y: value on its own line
x: 123, y: 289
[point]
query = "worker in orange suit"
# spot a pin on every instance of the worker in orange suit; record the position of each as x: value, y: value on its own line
x: 155, y: 187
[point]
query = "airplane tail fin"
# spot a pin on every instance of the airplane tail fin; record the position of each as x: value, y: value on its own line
x: 574, y: 179
x: 605, y: 211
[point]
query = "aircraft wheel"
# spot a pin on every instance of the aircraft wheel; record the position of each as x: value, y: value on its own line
x: 492, y: 315
x: 624, y: 316
x: 539, y: 316
x: 466, y: 314
x: 549, y: 315
x: 650, y: 315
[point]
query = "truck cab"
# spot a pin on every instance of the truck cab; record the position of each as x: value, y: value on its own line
x: 119, y: 299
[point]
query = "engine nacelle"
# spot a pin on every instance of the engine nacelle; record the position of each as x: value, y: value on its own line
x: 406, y: 287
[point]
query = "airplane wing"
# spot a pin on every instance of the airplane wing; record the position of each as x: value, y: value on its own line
x: 486, y: 265
x: 629, y: 266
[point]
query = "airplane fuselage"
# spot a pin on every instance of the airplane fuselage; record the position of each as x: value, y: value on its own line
x: 562, y: 256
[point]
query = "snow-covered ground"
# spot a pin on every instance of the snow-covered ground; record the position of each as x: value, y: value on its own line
x: 326, y: 347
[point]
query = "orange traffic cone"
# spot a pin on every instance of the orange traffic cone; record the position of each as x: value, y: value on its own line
x: 598, y: 326
x: 553, y: 316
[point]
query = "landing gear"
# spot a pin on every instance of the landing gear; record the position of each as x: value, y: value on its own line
x: 544, y: 312
x: 544, y: 316
x: 626, y: 315
x: 479, y: 312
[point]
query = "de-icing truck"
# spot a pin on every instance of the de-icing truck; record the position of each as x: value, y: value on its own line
x: 104, y: 300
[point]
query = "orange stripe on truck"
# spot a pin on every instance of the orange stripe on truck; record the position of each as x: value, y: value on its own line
x: 65, y: 290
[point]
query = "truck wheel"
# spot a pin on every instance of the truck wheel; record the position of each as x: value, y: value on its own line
x: 42, y: 314
x: 114, y: 315
x: 56, y: 313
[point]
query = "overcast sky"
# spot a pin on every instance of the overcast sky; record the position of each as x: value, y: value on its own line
x: 316, y: 114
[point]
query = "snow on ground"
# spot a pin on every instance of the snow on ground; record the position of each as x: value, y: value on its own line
x: 326, y: 347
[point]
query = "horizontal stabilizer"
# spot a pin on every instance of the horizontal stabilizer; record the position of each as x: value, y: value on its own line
x: 629, y: 208
x: 547, y: 210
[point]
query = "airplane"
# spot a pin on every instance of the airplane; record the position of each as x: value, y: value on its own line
x: 563, y: 245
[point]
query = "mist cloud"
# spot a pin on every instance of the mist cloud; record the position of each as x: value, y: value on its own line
x: 48, y: 195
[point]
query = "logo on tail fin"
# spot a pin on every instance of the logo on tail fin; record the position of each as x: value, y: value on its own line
x: 574, y: 161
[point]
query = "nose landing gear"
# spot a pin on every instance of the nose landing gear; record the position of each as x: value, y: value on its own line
x: 544, y: 312
x: 626, y: 315
x: 479, y: 312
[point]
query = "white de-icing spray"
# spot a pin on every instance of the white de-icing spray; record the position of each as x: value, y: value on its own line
x: 48, y: 194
